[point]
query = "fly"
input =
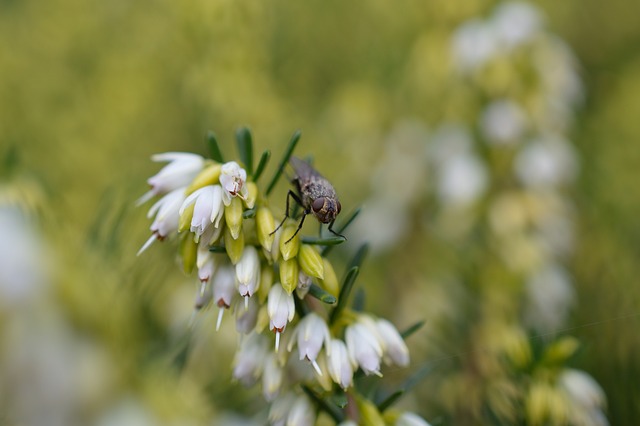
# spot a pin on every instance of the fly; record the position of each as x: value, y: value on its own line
x: 315, y: 195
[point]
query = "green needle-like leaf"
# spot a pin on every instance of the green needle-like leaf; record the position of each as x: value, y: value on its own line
x: 285, y: 159
x: 390, y: 400
x: 261, y: 165
x: 412, y: 329
x: 331, y: 409
x: 358, y: 258
x: 405, y: 387
x: 320, y: 294
x: 217, y: 249
x: 248, y: 214
x: 347, y: 286
x: 343, y: 227
x: 358, y: 300
x: 214, y: 148
x: 319, y: 241
x: 245, y: 148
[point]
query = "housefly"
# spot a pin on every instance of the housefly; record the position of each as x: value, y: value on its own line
x: 314, y: 194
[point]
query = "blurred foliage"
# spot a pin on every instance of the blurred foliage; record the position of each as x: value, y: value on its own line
x: 90, y: 89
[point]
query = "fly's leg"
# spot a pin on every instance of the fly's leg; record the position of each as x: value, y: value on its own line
x: 299, y: 227
x: 334, y: 232
x: 286, y: 214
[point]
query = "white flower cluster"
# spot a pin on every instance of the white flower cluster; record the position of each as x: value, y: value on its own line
x: 237, y: 257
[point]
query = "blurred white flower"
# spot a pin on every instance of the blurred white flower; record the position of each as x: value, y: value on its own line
x: 281, y: 309
x: 546, y: 162
x: 515, y: 22
x: 271, y: 377
x: 587, y: 394
x: 503, y: 122
x: 310, y: 334
x: 411, y: 419
x: 181, y: 170
x: 248, y: 362
x: 223, y: 290
x: 246, y: 315
x: 166, y: 212
x: 549, y: 296
x: 248, y: 272
x: 302, y: 413
x: 340, y: 368
x: 364, y: 348
x: 474, y: 44
x: 233, y: 179
x: 280, y: 408
x: 393, y: 346
x: 461, y: 180
x: 208, y: 208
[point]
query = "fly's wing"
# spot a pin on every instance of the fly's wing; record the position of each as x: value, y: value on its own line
x: 303, y: 170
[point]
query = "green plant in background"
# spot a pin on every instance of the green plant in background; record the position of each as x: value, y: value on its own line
x: 280, y: 286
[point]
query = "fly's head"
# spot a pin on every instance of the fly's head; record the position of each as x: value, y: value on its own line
x: 325, y: 209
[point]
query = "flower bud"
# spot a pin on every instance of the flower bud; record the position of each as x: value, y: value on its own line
x: 330, y: 280
x: 310, y: 261
x: 233, y: 216
x: 252, y: 195
x: 234, y: 247
x: 185, y: 218
x: 189, y: 253
x: 208, y: 176
x: 369, y: 414
x: 265, y: 224
x: 289, y: 249
x: 266, y: 280
x: 289, y: 275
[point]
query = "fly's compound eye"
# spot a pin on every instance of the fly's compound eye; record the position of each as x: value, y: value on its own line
x: 338, y: 206
x: 317, y: 204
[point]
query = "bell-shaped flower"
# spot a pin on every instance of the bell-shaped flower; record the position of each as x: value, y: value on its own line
x: 302, y: 413
x: 393, y: 346
x: 410, y: 419
x: 364, y: 347
x: 280, y: 408
x: 247, y: 315
x: 207, y: 210
x: 248, y: 272
x: 233, y: 179
x: 248, y: 362
x: 280, y: 308
x: 272, y: 375
x: 310, y: 334
x: 206, y: 270
x: 223, y: 290
x: 340, y: 367
x: 166, y: 212
x: 180, y: 171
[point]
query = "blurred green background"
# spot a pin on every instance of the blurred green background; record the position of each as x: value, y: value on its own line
x: 90, y: 89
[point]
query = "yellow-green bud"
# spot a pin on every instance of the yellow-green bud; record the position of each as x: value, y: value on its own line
x: 233, y: 216
x: 234, y: 246
x: 265, y: 224
x: 185, y: 218
x: 562, y: 349
x: 310, y: 261
x: 252, y: 195
x: 289, y: 249
x: 369, y: 414
x: 189, y: 252
x: 209, y: 176
x: 263, y: 319
x: 266, y: 281
x: 330, y: 280
x: 289, y: 275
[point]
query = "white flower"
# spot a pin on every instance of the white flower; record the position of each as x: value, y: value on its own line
x: 516, y: 23
x: 280, y: 409
x: 364, y: 348
x: 394, y: 347
x: 310, y: 334
x: 223, y: 290
x: 582, y: 388
x: 271, y: 377
x: 474, y: 43
x: 206, y: 270
x: 503, y: 122
x: 410, y: 419
x: 302, y: 413
x: 248, y: 361
x: 166, y: 212
x: 247, y: 316
x: 208, y: 208
x: 248, y: 272
x: 549, y: 295
x: 546, y: 162
x: 461, y: 179
x: 181, y: 170
x: 233, y: 179
x: 280, y: 308
x: 340, y: 368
